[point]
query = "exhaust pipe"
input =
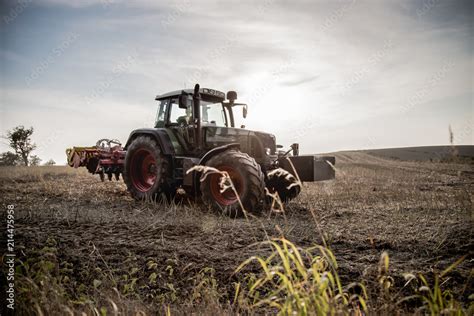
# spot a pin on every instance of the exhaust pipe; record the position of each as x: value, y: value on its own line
x: 197, y: 116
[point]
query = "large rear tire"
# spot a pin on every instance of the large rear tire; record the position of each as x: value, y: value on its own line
x: 145, y: 170
x: 247, y: 177
x: 283, y: 182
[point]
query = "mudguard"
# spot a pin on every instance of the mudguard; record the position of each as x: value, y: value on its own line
x: 217, y: 150
x: 159, y: 134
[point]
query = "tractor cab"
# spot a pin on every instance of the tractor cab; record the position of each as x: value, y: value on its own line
x: 213, y: 111
x: 199, y: 120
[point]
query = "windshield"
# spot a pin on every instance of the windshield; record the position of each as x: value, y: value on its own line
x: 213, y: 114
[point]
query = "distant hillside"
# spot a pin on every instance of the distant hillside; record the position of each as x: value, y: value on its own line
x: 435, y: 153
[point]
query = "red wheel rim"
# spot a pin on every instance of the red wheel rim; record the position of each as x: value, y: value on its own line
x: 227, y: 197
x: 143, y: 170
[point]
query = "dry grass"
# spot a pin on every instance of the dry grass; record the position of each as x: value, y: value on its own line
x: 35, y: 173
x: 87, y: 246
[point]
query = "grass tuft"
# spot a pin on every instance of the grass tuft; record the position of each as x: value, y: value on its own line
x: 298, y: 281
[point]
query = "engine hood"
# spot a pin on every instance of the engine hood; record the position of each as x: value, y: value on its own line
x: 255, y: 143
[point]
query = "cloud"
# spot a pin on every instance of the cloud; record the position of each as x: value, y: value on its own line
x: 75, y: 4
x: 295, y: 63
x: 300, y: 81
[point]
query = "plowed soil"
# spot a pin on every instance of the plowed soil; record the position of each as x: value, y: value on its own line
x: 419, y: 212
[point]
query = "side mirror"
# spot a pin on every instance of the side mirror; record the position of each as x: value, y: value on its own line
x: 184, y: 101
x: 231, y: 96
x: 296, y: 149
x: 279, y: 146
x: 244, y: 111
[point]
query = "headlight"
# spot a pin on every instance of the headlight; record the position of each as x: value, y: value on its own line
x: 268, y: 151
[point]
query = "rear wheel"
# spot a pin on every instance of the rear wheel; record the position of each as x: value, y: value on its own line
x: 283, y: 182
x: 247, y: 178
x: 145, y: 169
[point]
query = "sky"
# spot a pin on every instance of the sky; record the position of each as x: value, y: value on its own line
x: 331, y: 75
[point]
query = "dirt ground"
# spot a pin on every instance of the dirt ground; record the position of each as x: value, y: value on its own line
x: 421, y: 213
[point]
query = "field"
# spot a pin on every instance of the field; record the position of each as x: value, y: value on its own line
x: 83, y: 245
x: 425, y: 153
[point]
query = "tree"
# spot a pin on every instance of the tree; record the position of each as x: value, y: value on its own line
x: 50, y: 162
x: 21, y: 143
x: 9, y: 159
x: 35, y: 160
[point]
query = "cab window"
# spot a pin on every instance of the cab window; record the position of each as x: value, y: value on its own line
x: 178, y: 115
x: 161, y: 114
x: 213, y: 114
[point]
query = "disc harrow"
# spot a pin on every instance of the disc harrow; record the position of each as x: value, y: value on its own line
x: 107, y: 157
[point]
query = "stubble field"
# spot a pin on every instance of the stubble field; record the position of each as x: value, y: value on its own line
x: 83, y: 245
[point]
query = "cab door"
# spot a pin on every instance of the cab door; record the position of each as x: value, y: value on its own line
x: 180, y: 123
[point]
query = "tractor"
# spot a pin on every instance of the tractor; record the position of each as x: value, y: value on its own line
x: 197, y: 127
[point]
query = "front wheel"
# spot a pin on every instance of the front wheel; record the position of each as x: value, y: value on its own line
x: 247, y: 178
x: 283, y: 183
x: 145, y: 169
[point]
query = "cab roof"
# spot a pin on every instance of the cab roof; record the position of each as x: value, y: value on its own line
x: 205, y: 92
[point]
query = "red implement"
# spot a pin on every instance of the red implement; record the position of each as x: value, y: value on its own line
x: 106, y: 157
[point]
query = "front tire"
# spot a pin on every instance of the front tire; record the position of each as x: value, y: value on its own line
x: 284, y: 183
x: 247, y: 177
x: 145, y: 169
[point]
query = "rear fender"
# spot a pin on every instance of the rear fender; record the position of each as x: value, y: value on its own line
x: 217, y: 150
x: 160, y: 135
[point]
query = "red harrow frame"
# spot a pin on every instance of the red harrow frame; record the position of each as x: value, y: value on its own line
x: 106, y: 157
